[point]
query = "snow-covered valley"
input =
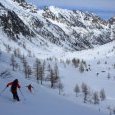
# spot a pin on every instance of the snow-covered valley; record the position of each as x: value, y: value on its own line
x: 47, y: 100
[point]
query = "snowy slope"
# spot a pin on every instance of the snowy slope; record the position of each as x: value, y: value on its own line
x: 101, y: 61
x: 42, y: 101
x: 47, y: 100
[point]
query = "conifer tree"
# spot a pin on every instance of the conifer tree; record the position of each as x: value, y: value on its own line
x: 13, y: 62
x: 60, y: 87
x: 37, y: 63
x: 85, y: 91
x: 96, y: 98
x: 81, y: 67
x: 53, y: 78
x: 76, y: 89
x: 102, y: 95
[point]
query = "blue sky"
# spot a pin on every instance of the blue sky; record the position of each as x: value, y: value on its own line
x: 103, y: 8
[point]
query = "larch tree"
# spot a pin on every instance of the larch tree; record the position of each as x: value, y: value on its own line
x: 102, y: 95
x: 81, y: 67
x: 77, y: 89
x: 37, y: 63
x: 85, y: 91
x: 60, y: 87
x: 96, y: 98
x: 13, y: 62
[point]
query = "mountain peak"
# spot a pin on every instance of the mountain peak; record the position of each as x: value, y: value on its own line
x: 19, y: 1
x: 112, y: 20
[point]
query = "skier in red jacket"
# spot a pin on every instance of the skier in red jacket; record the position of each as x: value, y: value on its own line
x: 14, y: 85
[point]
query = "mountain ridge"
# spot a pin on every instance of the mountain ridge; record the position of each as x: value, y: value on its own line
x: 66, y: 29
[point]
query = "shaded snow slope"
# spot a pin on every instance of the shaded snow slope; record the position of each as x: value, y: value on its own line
x: 42, y: 101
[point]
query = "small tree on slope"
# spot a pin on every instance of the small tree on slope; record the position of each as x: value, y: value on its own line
x: 76, y: 89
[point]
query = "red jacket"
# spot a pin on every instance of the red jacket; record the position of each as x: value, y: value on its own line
x: 17, y: 86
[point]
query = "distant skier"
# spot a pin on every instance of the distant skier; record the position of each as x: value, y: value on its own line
x: 14, y: 85
x: 30, y: 87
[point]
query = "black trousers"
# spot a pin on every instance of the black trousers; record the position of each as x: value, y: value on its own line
x: 15, y: 96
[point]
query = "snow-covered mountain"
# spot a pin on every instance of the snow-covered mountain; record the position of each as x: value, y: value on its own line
x: 52, y: 27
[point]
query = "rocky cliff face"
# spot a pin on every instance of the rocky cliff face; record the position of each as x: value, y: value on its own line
x: 12, y: 25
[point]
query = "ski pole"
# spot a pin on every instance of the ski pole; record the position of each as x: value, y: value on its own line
x: 22, y: 94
